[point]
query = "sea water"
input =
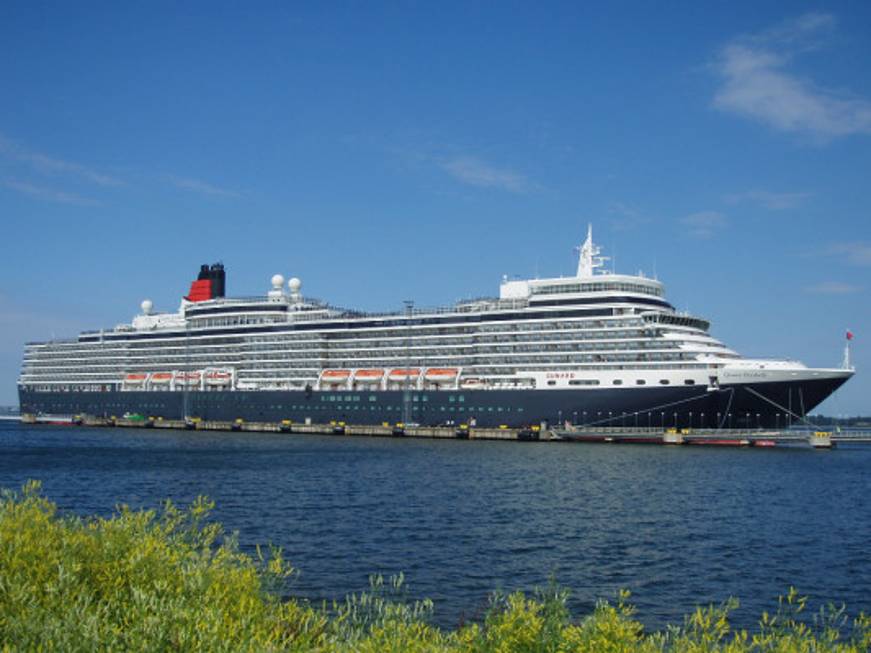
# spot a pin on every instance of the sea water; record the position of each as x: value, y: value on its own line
x: 678, y: 526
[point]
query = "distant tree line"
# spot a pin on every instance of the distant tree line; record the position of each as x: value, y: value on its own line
x: 828, y: 420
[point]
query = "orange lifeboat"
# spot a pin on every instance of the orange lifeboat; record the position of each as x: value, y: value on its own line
x: 335, y: 378
x: 441, y: 374
x: 368, y: 376
x: 136, y: 378
x: 335, y: 375
x: 404, y: 373
x: 161, y: 378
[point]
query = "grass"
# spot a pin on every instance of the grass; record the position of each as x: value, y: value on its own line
x: 170, y: 579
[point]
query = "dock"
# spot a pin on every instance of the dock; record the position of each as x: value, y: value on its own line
x: 811, y: 436
x: 462, y: 431
x: 761, y: 438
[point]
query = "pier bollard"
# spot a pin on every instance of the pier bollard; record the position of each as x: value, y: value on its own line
x: 821, y: 440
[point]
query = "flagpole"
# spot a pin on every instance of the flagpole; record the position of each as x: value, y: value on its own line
x: 846, y: 364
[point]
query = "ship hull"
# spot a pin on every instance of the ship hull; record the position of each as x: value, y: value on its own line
x: 760, y: 405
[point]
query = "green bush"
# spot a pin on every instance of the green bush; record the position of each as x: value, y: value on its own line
x: 171, y: 580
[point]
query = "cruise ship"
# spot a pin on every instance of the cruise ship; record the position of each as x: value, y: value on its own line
x: 597, y: 349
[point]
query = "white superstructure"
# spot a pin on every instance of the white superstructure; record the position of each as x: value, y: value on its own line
x: 595, y: 330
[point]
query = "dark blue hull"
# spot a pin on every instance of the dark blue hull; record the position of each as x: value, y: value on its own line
x: 765, y: 405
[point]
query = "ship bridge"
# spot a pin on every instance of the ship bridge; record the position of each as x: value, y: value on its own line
x: 590, y: 285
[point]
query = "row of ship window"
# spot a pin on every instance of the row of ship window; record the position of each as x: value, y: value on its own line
x: 357, y: 398
x: 65, y: 348
x: 535, y: 361
x: 443, y: 409
x: 554, y: 362
x: 537, y: 325
x: 555, y: 289
x: 77, y: 384
x: 200, y: 350
x: 353, y: 335
x: 618, y: 342
x: 401, y: 331
x: 195, y: 357
x: 619, y: 382
x: 182, y: 351
x: 377, y: 358
x: 237, y: 320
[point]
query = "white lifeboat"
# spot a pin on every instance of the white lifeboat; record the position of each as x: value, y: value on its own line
x: 188, y: 378
x: 219, y: 377
x: 471, y: 383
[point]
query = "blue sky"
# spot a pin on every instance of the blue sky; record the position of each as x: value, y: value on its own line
x: 423, y: 150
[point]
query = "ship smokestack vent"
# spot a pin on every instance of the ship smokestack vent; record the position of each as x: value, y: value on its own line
x: 219, y: 280
x: 211, y: 282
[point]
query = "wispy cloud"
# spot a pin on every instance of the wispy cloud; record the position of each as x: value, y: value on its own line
x: 49, y: 194
x: 832, y: 288
x: 53, y: 166
x: 625, y: 217
x: 769, y: 200
x: 854, y: 253
x: 198, y: 186
x: 474, y: 172
x: 704, y: 224
x: 756, y: 83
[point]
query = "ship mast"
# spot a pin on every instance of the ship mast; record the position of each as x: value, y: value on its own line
x: 589, y: 258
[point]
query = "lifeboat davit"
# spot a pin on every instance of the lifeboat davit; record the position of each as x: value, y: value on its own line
x: 161, y: 378
x: 368, y: 376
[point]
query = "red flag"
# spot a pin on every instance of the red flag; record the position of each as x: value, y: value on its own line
x: 849, y: 335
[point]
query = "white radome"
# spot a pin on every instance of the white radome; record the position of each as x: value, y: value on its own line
x: 294, y: 284
x: 277, y: 281
x: 146, y: 306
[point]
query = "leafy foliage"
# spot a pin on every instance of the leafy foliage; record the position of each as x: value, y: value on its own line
x: 172, y: 580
